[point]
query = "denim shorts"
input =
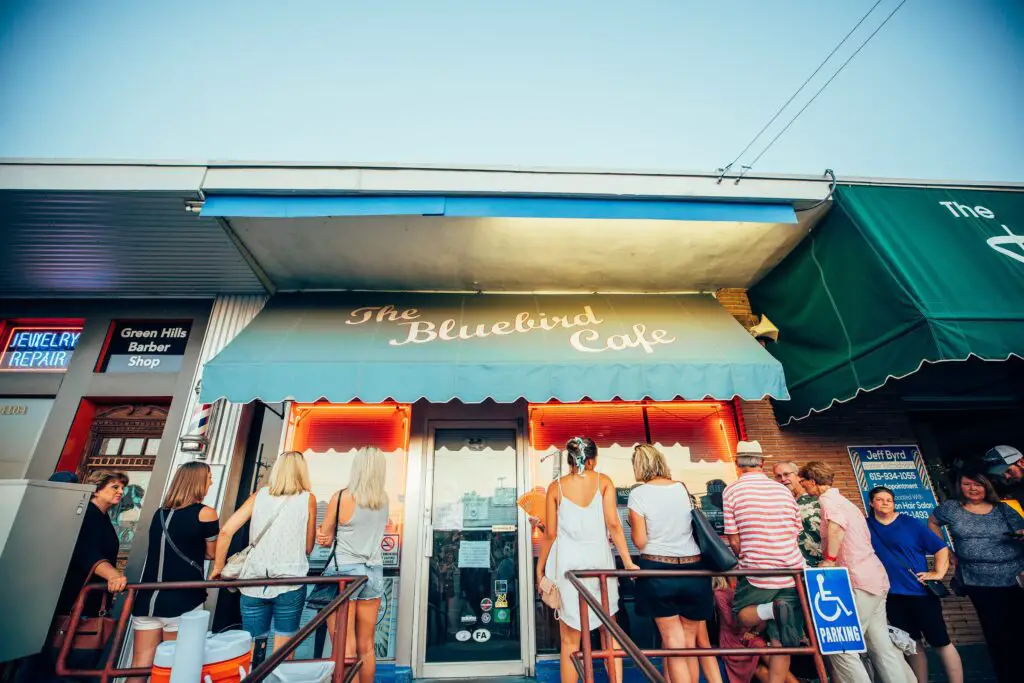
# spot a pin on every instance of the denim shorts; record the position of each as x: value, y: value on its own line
x: 285, y: 610
x: 373, y: 589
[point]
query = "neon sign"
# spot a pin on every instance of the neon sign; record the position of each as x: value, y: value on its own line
x: 39, y: 348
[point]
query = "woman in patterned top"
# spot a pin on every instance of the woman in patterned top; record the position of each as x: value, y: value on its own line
x: 989, y: 539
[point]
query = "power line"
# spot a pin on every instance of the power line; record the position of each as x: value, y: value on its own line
x: 826, y: 84
x: 802, y: 86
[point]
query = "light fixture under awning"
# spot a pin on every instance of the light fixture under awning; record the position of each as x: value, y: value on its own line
x: 270, y: 206
x: 442, y: 347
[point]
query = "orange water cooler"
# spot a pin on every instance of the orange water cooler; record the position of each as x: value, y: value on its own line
x: 227, y: 658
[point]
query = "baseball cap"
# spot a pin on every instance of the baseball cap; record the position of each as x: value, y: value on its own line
x: 997, y: 460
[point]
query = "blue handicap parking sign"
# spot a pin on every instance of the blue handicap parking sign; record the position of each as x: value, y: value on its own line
x: 834, y: 611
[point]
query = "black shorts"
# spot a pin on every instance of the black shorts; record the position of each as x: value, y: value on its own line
x: 683, y: 596
x: 918, y: 615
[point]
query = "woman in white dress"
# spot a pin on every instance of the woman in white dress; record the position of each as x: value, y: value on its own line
x: 581, y: 515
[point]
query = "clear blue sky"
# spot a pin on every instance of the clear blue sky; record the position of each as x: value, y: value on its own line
x: 653, y: 84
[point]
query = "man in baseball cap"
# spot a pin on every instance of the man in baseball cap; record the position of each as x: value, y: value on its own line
x: 1004, y: 462
x: 1005, y: 466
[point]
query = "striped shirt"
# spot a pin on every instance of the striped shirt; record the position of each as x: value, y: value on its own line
x: 766, y: 517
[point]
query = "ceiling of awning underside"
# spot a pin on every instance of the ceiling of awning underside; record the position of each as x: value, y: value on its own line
x: 515, y: 254
x: 145, y: 244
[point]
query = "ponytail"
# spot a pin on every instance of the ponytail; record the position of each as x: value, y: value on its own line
x: 580, y: 450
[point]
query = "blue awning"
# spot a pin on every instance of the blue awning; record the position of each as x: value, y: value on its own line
x: 440, y: 347
x: 263, y: 206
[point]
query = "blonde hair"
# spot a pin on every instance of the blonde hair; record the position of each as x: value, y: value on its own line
x: 290, y: 475
x: 366, y: 483
x: 188, y: 486
x: 649, y: 463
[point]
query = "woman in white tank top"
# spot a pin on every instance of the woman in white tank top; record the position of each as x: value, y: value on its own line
x: 354, y: 524
x: 284, y: 512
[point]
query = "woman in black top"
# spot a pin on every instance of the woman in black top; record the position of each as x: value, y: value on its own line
x: 183, y: 534
x: 95, y: 552
x: 96, y: 547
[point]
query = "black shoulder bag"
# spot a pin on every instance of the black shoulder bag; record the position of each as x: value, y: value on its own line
x: 714, y: 551
x: 170, y: 541
x: 322, y: 594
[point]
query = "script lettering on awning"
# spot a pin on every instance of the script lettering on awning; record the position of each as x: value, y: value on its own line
x: 587, y: 339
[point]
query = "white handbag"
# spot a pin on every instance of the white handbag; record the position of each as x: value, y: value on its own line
x: 236, y: 563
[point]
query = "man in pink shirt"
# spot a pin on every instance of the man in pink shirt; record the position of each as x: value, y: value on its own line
x: 846, y: 542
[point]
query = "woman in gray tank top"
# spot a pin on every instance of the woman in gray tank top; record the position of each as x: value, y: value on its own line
x: 356, y: 516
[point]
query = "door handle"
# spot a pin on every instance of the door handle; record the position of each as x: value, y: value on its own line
x: 428, y: 542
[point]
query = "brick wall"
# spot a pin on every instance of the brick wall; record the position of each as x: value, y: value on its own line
x: 876, y: 418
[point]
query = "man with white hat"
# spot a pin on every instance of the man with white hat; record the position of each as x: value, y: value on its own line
x: 762, y: 523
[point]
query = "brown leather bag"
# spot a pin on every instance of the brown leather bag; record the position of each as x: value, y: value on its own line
x: 93, y: 633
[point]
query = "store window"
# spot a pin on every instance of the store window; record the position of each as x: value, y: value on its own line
x: 329, y: 435
x: 123, y: 438
x: 697, y: 438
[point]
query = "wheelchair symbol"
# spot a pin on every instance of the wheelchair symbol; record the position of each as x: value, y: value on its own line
x: 824, y: 596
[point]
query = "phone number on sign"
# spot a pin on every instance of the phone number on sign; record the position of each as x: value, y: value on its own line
x: 893, y: 476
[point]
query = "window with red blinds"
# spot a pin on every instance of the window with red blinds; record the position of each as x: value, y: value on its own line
x: 698, y: 439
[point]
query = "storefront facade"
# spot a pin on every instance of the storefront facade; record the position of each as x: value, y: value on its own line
x: 448, y: 318
x: 472, y: 399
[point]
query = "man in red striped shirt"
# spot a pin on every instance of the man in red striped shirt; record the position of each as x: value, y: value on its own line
x: 762, y: 523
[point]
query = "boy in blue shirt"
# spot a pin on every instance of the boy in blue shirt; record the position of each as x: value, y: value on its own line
x: 903, y: 543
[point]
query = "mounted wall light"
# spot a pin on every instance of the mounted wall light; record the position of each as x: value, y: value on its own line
x: 765, y: 330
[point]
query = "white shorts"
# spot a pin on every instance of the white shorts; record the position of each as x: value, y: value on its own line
x: 169, y: 624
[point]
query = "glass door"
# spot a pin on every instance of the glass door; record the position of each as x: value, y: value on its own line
x: 474, y: 559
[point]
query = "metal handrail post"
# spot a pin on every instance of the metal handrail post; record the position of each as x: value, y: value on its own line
x: 588, y: 661
x: 339, y: 642
x: 805, y: 607
x: 606, y: 641
x: 643, y: 663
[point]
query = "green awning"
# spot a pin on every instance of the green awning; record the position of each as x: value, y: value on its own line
x: 377, y: 346
x: 894, y: 278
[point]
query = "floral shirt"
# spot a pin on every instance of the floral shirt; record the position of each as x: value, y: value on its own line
x: 809, y: 539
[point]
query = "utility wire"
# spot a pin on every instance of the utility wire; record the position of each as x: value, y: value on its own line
x: 802, y: 86
x: 822, y: 88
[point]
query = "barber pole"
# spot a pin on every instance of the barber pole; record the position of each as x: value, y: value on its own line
x: 195, y: 440
x: 200, y: 419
